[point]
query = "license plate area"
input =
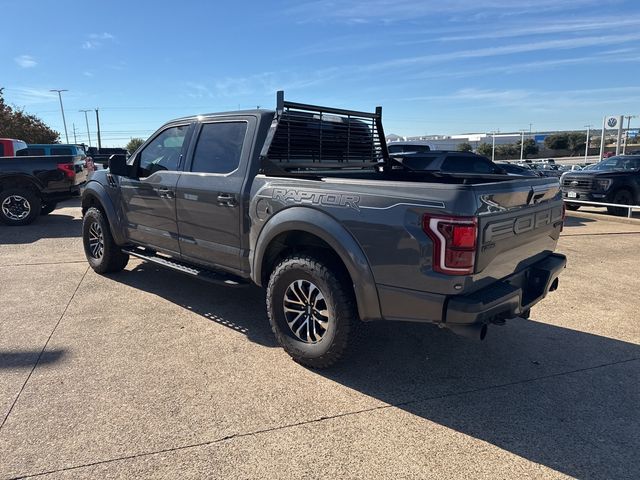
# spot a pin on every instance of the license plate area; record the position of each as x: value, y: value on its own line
x: 572, y: 195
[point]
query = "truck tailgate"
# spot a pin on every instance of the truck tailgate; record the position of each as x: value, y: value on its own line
x: 519, y: 222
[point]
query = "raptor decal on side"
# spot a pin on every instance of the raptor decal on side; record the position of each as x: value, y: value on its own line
x: 343, y: 200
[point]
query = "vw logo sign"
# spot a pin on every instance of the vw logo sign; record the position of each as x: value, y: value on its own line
x: 612, y: 121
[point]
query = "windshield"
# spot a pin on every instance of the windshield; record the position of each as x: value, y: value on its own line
x: 618, y: 163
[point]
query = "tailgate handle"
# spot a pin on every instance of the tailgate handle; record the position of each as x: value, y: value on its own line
x: 536, y: 193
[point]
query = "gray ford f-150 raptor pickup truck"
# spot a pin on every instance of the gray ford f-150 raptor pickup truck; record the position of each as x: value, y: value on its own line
x: 307, y: 202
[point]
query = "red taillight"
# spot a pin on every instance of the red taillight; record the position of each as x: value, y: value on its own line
x: 68, y: 169
x: 454, y: 243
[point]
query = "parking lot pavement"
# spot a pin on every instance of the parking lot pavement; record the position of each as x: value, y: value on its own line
x: 148, y: 373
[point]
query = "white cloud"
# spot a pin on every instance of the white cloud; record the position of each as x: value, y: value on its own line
x: 101, y: 36
x: 562, y: 44
x: 26, y: 61
x: 387, y: 11
x: 87, y: 74
x: 28, y: 95
x: 97, y: 40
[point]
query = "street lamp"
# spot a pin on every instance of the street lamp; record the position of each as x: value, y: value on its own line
x: 586, y: 147
x: 86, y: 120
x: 64, y: 121
x: 521, y: 145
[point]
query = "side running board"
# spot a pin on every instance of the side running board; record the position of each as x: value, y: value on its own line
x: 201, y: 273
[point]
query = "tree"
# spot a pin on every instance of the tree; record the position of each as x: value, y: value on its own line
x: 577, y: 141
x: 15, y: 123
x: 557, y: 141
x: 530, y: 147
x: 507, y: 150
x: 134, y: 144
x: 484, y: 149
x: 464, y: 147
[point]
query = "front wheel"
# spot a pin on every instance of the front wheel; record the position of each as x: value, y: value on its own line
x: 19, y: 206
x: 102, y: 252
x: 312, y: 310
x: 621, y: 197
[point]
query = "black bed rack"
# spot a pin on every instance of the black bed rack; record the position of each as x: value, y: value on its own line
x: 303, y: 138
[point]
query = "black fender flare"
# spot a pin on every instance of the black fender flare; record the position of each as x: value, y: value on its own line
x: 23, y: 177
x: 328, y: 229
x: 96, y: 192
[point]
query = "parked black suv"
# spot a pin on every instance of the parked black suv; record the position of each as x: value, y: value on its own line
x: 613, y: 180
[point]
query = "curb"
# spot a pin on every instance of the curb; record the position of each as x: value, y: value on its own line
x: 604, y: 217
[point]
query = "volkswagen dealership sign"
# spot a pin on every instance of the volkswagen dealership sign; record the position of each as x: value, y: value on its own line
x: 612, y: 122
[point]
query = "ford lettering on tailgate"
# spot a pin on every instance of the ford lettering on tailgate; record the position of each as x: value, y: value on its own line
x: 519, y: 225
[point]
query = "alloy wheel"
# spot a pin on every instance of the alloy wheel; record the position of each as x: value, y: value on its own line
x: 96, y: 240
x: 16, y: 207
x: 306, y: 311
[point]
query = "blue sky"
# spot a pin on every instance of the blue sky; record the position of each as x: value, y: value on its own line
x: 435, y: 67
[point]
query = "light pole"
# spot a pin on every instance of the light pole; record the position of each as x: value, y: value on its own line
x: 626, y: 137
x: 64, y: 121
x: 86, y: 120
x: 493, y: 146
x: 586, y: 146
x: 522, y: 144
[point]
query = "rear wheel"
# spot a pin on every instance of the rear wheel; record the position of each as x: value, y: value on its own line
x: 48, y: 207
x: 621, y: 197
x: 19, y: 206
x: 312, y: 310
x: 102, y: 252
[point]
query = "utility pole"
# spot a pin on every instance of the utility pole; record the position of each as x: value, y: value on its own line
x: 86, y: 120
x: 64, y: 121
x: 586, y: 146
x: 522, y: 144
x: 626, y: 137
x: 75, y: 140
x: 98, y: 123
x: 619, y: 140
x: 493, y: 146
x: 604, y: 132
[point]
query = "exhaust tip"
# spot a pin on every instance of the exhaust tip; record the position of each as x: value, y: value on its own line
x: 475, y: 331
x: 554, y: 285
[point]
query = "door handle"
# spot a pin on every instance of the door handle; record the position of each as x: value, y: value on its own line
x: 227, y: 199
x: 166, y: 193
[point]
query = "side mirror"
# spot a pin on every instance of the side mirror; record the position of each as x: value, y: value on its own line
x: 118, y: 165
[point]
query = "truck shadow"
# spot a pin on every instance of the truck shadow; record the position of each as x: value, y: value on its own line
x: 558, y: 397
x: 10, y: 360
x: 571, y: 221
x: 555, y: 396
x: 240, y: 309
x: 55, y: 225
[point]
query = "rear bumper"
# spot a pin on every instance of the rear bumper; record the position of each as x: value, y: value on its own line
x: 506, y: 298
x: 59, y: 196
x: 503, y: 299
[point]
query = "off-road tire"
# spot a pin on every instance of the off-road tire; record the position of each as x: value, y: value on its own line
x: 344, y: 325
x: 32, y: 203
x: 622, y: 197
x: 572, y: 206
x: 111, y: 259
x: 48, y: 207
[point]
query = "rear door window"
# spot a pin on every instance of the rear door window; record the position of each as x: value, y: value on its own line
x: 219, y: 147
x: 467, y: 164
x: 61, y: 151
